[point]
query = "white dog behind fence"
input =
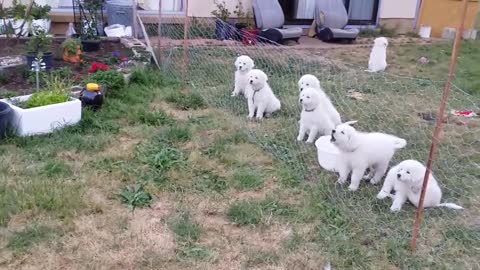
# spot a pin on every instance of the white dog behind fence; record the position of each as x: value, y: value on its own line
x: 360, y: 151
x: 314, y: 118
x: 310, y: 81
x: 261, y: 99
x: 406, y: 179
x: 243, y: 65
x: 378, y: 55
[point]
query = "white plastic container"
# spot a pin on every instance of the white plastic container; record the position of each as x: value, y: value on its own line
x: 425, y: 31
x: 327, y: 154
x: 115, y: 30
x: 44, y: 119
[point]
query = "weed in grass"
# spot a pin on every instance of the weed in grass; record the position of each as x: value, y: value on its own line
x: 219, y: 146
x: 167, y: 158
x: 255, y: 212
x: 190, y: 101
x: 176, y: 134
x: 31, y: 235
x: 192, y: 252
x: 256, y: 258
x: 135, y: 196
x: 208, y: 180
x: 151, y: 118
x: 55, y: 168
x: 247, y: 179
x: 146, y: 77
x: 468, y: 237
x: 293, y: 242
x: 185, y: 229
x: 7, y: 94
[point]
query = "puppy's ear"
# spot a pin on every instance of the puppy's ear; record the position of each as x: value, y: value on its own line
x: 351, y: 123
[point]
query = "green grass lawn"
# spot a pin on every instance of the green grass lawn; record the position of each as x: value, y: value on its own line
x: 172, y: 179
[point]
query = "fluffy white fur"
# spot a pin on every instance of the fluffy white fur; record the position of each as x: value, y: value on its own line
x: 314, y: 119
x: 243, y: 65
x: 261, y: 99
x: 310, y: 81
x: 359, y: 151
x: 406, y: 179
x: 378, y: 55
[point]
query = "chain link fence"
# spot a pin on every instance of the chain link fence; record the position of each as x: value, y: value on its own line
x: 403, y: 106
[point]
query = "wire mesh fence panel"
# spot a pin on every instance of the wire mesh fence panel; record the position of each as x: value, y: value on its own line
x: 403, y: 106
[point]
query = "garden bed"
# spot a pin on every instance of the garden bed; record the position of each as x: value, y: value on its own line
x: 16, y: 79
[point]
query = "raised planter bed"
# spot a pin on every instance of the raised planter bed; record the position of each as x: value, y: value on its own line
x: 44, y: 119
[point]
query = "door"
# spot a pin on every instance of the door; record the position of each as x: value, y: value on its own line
x: 362, y: 12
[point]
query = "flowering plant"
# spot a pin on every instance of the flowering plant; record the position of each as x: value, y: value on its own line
x: 95, y: 66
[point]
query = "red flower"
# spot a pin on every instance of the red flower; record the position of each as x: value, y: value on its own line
x: 95, y: 66
x: 123, y: 58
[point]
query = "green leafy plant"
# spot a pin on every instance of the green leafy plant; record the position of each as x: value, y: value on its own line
x: 135, y: 196
x: 112, y: 79
x: 40, y: 12
x: 71, y: 46
x: 186, y: 102
x: 17, y: 11
x: 55, y: 92
x: 221, y: 11
x: 39, y: 43
x: 90, y: 19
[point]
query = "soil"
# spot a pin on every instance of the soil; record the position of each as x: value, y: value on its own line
x: 16, y: 79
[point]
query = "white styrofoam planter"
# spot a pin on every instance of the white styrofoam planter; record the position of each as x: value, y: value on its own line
x: 44, y: 119
x: 41, y: 24
x: 17, y: 23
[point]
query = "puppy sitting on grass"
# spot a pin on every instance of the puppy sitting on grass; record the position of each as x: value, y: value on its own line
x: 378, y: 55
x: 261, y: 99
x: 406, y: 179
x: 314, y: 119
x: 310, y: 81
x: 243, y: 65
x: 360, y: 151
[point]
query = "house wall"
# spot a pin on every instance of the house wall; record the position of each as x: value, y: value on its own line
x: 446, y: 13
x: 203, y: 8
x: 398, y: 15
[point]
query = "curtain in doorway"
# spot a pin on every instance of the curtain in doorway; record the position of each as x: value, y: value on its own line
x: 305, y: 9
x: 361, y: 10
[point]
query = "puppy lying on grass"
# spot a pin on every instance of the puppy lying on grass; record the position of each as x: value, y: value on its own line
x: 406, y: 179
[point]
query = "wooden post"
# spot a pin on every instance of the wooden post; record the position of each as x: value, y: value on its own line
x: 185, y: 48
x: 159, y: 44
x: 134, y: 25
x: 438, y: 125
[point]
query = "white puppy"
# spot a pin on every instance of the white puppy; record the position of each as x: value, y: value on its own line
x: 378, y: 55
x: 406, y: 179
x: 261, y: 99
x: 314, y: 119
x: 243, y: 65
x: 359, y: 151
x: 310, y: 81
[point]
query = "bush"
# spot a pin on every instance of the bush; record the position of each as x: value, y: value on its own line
x: 111, y: 79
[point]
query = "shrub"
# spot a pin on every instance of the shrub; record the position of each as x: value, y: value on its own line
x: 113, y: 80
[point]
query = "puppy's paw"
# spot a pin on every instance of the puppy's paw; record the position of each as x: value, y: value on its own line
x: 341, y: 181
x: 234, y: 94
x: 395, y: 209
x: 300, y: 138
x: 352, y: 188
x: 374, y: 181
x: 382, y: 195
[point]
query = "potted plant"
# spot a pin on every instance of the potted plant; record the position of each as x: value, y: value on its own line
x: 222, y: 26
x: 40, y: 19
x: 46, y: 110
x: 249, y: 32
x: 89, y: 31
x: 19, y: 19
x: 72, y: 50
x: 39, y: 46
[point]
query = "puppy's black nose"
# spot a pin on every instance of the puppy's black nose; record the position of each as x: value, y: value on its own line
x: 301, y: 89
x: 399, y: 175
x: 333, y: 131
x: 301, y: 100
x: 251, y: 81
